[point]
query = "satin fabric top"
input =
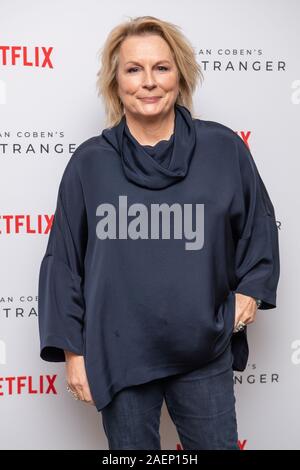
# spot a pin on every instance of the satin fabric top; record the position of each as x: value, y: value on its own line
x: 147, y: 249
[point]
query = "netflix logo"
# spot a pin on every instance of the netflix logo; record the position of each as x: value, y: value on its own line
x: 38, y: 56
x: 28, y: 385
x: 25, y: 223
x: 244, y: 135
x: 241, y: 444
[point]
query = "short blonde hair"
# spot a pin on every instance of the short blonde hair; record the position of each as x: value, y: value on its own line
x: 183, y: 53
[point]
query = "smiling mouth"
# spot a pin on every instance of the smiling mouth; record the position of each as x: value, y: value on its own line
x: 150, y: 98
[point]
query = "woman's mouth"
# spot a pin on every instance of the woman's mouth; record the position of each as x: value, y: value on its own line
x: 153, y: 99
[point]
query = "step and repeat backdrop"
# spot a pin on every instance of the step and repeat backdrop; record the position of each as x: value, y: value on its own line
x: 249, y: 53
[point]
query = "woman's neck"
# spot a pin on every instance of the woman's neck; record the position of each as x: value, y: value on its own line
x: 149, y: 131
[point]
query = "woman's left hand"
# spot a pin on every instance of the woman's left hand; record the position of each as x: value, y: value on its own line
x: 245, y: 309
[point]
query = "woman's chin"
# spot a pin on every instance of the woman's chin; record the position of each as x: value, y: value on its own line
x: 148, y: 109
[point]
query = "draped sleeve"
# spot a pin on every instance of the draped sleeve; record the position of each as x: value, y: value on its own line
x: 257, y: 263
x: 61, y: 304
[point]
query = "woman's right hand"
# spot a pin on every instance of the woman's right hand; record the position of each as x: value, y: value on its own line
x: 76, y: 377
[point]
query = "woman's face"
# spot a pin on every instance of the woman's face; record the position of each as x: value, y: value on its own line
x: 147, y: 69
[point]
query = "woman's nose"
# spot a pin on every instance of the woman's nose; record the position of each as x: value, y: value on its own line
x: 149, y: 86
x: 149, y: 80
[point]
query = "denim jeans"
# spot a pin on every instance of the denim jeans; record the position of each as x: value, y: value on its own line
x: 201, y: 404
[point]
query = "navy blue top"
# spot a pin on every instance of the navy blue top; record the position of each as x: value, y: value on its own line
x: 148, y: 246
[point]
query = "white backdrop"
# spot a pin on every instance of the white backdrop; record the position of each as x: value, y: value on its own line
x: 48, y: 109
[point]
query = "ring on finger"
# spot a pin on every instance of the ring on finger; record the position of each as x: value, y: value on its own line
x: 239, y: 327
x: 73, y: 393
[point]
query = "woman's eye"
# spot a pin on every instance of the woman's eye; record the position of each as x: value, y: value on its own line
x: 132, y: 69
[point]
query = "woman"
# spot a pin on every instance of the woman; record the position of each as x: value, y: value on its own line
x: 164, y: 243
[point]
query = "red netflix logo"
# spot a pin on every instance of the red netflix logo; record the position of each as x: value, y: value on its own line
x: 28, y: 385
x: 15, y: 224
x: 245, y: 136
x: 241, y: 445
x: 26, y: 56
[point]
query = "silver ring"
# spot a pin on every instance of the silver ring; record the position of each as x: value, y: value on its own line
x: 239, y: 327
x: 75, y: 396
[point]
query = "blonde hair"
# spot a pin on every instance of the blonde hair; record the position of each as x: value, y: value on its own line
x: 183, y: 53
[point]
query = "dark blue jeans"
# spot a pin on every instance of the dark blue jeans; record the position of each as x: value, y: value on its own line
x: 201, y: 404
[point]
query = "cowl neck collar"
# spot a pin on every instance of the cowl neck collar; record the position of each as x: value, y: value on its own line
x: 161, y: 165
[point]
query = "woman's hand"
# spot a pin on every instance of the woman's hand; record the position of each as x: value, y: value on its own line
x: 76, y: 377
x: 245, y: 308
